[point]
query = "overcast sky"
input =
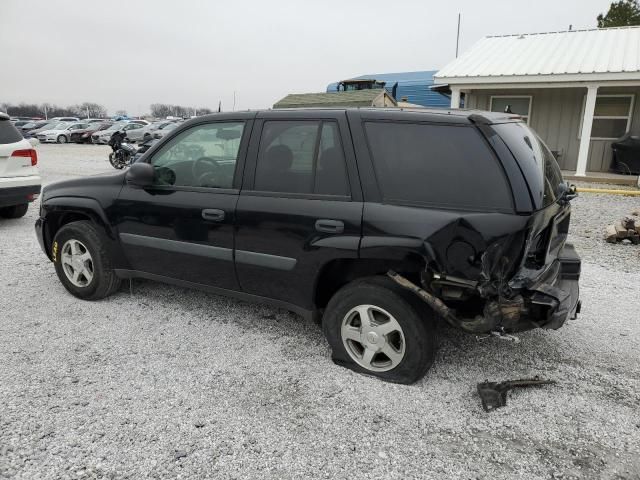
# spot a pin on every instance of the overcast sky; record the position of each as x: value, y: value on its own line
x: 127, y: 54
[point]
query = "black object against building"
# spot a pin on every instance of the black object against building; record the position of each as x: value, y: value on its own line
x: 626, y: 155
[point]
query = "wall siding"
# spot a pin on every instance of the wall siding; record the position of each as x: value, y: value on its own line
x: 555, y: 115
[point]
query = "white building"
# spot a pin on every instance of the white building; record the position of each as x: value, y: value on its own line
x: 577, y: 89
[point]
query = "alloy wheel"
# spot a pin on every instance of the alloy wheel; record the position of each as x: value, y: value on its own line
x: 373, y: 338
x: 77, y: 263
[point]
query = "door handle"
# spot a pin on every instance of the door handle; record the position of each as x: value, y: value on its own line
x: 213, y: 214
x: 329, y: 226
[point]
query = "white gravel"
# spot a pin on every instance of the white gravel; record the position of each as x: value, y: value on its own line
x: 172, y: 383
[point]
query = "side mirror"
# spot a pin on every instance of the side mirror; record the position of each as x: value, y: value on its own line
x: 140, y: 175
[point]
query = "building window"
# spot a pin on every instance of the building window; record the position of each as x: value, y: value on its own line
x: 611, y: 117
x: 518, y: 104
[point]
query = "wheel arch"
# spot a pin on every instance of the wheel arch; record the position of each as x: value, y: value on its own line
x: 60, y: 211
x: 338, y: 272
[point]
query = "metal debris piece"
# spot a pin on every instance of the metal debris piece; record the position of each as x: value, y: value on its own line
x: 500, y: 334
x: 494, y: 394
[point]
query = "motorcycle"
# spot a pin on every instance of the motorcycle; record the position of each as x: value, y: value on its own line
x: 124, y: 154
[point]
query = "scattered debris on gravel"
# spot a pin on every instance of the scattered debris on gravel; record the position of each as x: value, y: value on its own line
x: 625, y: 231
x: 174, y: 383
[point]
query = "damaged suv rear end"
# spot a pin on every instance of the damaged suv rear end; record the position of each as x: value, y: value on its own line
x: 478, y: 202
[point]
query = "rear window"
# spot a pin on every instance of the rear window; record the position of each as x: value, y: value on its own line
x: 8, y: 132
x: 440, y: 165
x: 536, y: 161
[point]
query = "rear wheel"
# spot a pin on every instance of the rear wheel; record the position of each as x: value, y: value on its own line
x: 15, y: 211
x: 82, y: 261
x: 376, y: 327
x: 61, y: 139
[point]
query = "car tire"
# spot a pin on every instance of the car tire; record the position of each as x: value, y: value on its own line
x: 410, y: 340
x: 15, y: 211
x: 81, y: 247
x: 61, y: 139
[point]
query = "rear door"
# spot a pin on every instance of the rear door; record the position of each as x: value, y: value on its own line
x: 300, y: 207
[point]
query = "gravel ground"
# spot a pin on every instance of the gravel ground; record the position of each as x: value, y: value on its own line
x: 171, y: 383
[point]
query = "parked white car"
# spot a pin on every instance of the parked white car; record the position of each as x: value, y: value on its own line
x: 61, y: 133
x: 19, y: 179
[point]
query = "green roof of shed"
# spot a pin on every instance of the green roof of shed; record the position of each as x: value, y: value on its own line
x: 355, y: 98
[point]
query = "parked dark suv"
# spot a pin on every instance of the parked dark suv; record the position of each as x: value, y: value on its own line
x: 375, y: 221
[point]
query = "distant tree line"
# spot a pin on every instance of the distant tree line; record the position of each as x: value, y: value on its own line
x: 93, y: 110
x: 163, y: 110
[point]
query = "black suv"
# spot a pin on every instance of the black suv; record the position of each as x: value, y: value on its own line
x: 375, y: 221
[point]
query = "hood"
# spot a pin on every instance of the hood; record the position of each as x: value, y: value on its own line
x: 78, y: 187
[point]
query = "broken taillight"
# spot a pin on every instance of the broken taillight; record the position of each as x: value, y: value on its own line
x: 27, y: 153
x: 537, y: 255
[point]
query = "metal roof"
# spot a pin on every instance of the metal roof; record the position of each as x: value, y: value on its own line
x: 355, y: 98
x: 413, y: 85
x: 576, y: 55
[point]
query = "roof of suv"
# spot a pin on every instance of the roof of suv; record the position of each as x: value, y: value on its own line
x: 420, y: 114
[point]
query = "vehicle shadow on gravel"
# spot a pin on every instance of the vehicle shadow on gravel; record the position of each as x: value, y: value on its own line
x: 459, y: 354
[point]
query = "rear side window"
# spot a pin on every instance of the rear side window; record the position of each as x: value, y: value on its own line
x: 535, y: 159
x: 439, y: 165
x: 8, y: 132
x: 303, y: 156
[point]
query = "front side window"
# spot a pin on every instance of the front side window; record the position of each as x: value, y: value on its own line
x: 202, y: 156
x: 301, y: 157
x: 519, y: 105
x: 438, y: 165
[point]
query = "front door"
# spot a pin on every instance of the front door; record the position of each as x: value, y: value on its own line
x: 182, y: 227
x: 300, y: 207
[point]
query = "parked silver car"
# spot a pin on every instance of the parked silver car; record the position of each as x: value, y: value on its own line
x: 161, y: 132
x: 61, y: 133
x: 102, y: 137
x: 146, y: 132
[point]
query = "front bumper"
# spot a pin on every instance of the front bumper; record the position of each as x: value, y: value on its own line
x: 40, y: 233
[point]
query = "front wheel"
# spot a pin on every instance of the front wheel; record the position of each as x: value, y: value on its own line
x: 116, y: 161
x: 82, y: 261
x: 376, y: 327
x: 61, y: 139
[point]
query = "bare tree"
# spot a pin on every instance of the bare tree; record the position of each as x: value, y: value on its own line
x: 161, y: 110
x: 90, y: 110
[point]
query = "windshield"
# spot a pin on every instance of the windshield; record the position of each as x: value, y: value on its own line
x: 536, y: 161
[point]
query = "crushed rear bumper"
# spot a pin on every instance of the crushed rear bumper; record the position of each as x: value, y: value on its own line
x: 560, y: 294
